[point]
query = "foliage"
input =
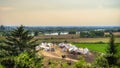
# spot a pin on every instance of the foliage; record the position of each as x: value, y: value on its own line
x: 52, y: 66
x: 19, y: 49
x: 100, y: 62
x: 84, y: 34
x: 64, y: 65
x: 81, y: 64
x: 4, y: 31
x: 2, y: 28
x: 36, y: 33
x: 51, y: 63
x: 8, y: 61
x: 58, y: 33
x: 3, y: 51
x: 118, y: 55
x: 92, y: 34
x: 110, y: 59
x: 25, y: 60
x: 1, y: 66
x: 112, y: 52
x: 20, y: 41
x: 72, y: 32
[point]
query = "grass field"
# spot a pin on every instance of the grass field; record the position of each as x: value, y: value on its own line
x: 93, y: 47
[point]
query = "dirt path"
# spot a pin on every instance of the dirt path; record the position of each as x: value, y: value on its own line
x: 48, y: 54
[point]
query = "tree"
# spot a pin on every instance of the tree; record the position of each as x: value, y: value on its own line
x: 18, y: 45
x: 20, y: 41
x: 111, y: 52
x: 84, y: 34
x: 72, y: 32
x: 36, y: 33
x: 2, y: 28
x: 92, y: 34
x: 111, y: 58
x: 81, y: 63
x: 100, y: 62
x: 59, y: 33
x: 25, y: 60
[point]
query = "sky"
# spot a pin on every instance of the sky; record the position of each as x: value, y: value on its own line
x: 60, y: 12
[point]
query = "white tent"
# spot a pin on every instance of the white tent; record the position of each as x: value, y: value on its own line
x: 43, y: 44
x: 37, y: 48
x: 81, y: 50
x: 50, y: 44
x: 70, y: 49
x: 86, y: 51
x: 47, y: 48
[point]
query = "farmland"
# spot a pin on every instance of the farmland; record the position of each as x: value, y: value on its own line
x: 71, y: 39
x: 80, y: 40
x: 93, y: 46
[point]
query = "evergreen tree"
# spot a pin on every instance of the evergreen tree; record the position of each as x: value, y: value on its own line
x: 111, y: 52
x: 2, y: 28
x: 19, y: 45
x: 20, y: 41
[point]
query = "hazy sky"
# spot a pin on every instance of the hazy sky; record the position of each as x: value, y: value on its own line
x: 60, y: 12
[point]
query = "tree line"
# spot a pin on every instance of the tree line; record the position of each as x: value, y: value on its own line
x: 92, y: 34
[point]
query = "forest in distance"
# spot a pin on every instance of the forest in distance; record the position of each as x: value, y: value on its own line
x: 21, y: 46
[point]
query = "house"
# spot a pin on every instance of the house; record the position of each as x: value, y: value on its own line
x: 51, y: 33
x: 63, y: 33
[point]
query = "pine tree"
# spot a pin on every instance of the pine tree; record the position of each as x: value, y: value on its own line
x: 111, y: 52
x: 2, y: 28
x: 17, y: 44
x: 20, y: 41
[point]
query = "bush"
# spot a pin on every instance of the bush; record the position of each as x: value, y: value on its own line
x: 26, y: 60
x: 1, y: 66
x: 100, y: 62
x: 81, y: 63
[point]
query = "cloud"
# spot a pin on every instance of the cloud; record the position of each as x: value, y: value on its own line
x: 6, y: 8
x: 61, y: 4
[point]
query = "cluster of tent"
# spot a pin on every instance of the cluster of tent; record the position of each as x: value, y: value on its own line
x: 65, y: 47
x: 73, y: 49
x: 45, y: 46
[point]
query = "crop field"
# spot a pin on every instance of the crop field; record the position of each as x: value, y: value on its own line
x: 72, y: 38
x: 68, y: 36
x: 80, y: 40
x: 94, y: 46
x: 114, y: 33
x: 76, y: 38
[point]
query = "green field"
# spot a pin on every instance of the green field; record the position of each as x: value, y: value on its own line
x: 93, y: 46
